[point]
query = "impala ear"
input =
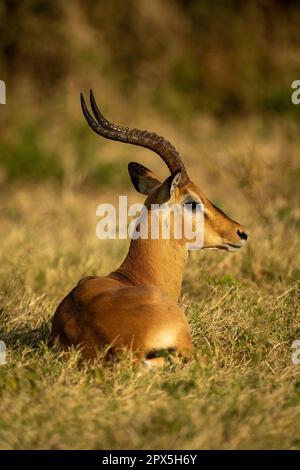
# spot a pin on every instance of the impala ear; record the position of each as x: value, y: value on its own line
x: 174, y: 181
x: 168, y: 187
x: 142, y: 179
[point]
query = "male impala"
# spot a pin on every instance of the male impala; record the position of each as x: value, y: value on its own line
x: 136, y: 306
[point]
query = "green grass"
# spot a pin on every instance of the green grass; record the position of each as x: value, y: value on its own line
x: 241, y: 390
x: 26, y: 158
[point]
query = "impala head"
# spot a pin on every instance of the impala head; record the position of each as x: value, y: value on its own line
x: 220, y: 231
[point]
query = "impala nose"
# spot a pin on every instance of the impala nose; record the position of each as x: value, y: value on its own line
x: 242, y: 235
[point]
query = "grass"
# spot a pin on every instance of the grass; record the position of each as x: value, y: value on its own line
x: 241, y: 391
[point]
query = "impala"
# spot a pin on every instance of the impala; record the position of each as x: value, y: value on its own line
x: 136, y: 306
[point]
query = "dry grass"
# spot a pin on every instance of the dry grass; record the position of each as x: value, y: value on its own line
x: 241, y: 390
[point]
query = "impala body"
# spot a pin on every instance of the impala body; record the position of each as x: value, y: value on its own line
x: 136, y: 306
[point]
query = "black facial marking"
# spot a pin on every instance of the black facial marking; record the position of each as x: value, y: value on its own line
x: 191, y: 204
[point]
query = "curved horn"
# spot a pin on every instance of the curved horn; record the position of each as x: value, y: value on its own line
x: 146, y: 139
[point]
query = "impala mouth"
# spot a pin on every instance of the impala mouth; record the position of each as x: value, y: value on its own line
x: 232, y: 247
x: 225, y: 246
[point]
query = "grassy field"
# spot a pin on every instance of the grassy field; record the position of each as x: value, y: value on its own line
x: 241, y: 390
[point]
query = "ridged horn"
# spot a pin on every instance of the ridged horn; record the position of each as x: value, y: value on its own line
x: 150, y: 140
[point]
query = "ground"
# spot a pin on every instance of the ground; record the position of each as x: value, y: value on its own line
x: 241, y: 391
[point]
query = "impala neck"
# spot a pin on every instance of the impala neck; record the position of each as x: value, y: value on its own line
x: 156, y: 262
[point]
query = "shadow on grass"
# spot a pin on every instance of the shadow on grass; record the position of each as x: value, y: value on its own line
x: 23, y: 336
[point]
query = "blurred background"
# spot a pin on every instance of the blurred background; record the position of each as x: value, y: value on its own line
x: 184, y: 68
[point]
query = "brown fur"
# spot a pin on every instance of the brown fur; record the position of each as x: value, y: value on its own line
x: 136, y: 307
